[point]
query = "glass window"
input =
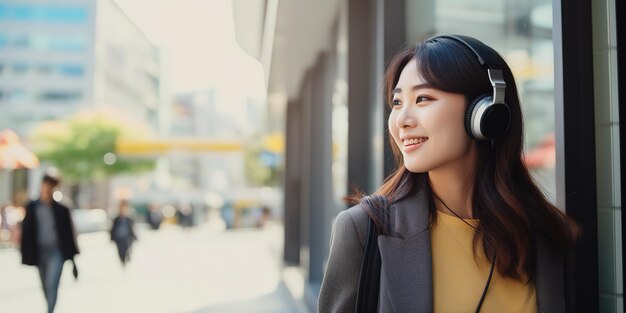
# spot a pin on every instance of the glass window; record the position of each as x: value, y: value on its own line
x: 60, y: 96
x: 49, y: 42
x: 4, y: 40
x: 20, y: 68
x: 73, y: 70
x: 521, y: 31
x: 21, y: 41
x: 43, y: 13
x: 18, y: 96
x: 66, y: 14
x: 68, y: 43
x: 44, y: 69
x: 38, y: 41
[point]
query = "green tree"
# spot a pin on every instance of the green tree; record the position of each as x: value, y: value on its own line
x: 82, y: 147
x: 257, y: 170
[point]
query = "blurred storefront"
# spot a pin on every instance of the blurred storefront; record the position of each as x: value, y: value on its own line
x: 324, y: 63
x: 15, y: 162
x: 63, y: 57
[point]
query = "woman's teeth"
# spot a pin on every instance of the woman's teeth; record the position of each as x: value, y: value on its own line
x: 414, y: 141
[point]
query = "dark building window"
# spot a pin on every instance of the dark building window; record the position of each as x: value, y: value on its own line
x: 60, y: 96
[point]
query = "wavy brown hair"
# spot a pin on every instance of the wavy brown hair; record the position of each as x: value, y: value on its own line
x: 513, y: 211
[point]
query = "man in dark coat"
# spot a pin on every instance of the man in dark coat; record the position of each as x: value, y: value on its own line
x: 48, y: 239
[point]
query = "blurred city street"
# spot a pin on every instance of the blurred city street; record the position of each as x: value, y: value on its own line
x: 199, y: 270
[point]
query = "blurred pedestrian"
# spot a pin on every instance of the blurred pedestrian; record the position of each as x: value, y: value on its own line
x: 154, y: 216
x: 266, y: 214
x: 48, y: 238
x: 184, y: 213
x: 4, y: 225
x: 122, y: 232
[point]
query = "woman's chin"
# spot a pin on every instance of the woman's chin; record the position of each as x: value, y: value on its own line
x: 415, y: 169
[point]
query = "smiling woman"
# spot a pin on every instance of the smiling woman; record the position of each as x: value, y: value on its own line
x: 460, y: 226
x: 425, y: 123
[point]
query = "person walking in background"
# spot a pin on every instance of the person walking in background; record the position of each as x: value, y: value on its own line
x: 154, y: 216
x: 460, y: 226
x: 48, y: 239
x: 184, y: 213
x: 122, y: 232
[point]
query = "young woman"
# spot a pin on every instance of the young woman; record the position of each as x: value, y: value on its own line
x: 463, y: 227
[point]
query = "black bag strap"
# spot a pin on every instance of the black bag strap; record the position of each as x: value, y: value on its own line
x: 369, y: 279
x: 74, y: 269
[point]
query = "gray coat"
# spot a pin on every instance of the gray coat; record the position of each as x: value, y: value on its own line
x: 406, y: 271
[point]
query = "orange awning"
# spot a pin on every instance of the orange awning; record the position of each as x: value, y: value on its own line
x: 13, y: 154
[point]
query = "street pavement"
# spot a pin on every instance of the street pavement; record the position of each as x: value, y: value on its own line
x: 201, y: 270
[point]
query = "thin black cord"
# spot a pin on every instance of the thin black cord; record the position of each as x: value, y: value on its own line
x: 482, y: 298
x: 444, y: 204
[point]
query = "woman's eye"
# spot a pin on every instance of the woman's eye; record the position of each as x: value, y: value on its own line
x: 421, y: 99
x: 396, y: 102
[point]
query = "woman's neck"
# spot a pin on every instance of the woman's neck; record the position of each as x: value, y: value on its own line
x: 453, y: 187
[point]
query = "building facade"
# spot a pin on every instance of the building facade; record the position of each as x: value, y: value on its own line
x: 325, y: 62
x: 59, y: 57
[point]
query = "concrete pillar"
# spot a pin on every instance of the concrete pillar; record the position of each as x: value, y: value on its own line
x: 293, y: 181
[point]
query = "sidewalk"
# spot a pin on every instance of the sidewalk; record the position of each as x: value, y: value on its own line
x: 279, y: 301
x: 201, y: 270
x: 286, y: 298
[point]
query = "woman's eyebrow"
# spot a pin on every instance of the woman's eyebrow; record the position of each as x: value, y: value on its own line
x: 414, y: 88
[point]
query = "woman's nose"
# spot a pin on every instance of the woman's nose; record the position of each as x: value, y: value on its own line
x: 407, y: 118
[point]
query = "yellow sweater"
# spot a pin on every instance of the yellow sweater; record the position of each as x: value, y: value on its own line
x: 459, y: 278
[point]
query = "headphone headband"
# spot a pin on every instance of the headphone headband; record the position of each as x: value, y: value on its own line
x: 486, y: 56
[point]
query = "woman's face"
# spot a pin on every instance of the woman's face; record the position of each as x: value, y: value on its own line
x: 427, y: 124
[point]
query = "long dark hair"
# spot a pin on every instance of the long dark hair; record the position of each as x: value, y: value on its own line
x: 511, y: 208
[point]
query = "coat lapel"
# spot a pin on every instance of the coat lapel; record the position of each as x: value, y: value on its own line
x: 406, y: 270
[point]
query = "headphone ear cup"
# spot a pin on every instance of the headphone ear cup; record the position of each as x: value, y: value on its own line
x: 495, y: 121
x: 469, y: 112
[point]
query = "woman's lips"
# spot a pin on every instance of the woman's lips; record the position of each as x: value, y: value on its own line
x: 413, y: 144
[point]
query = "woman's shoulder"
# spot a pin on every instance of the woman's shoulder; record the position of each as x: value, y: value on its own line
x: 353, y: 219
x: 356, y: 215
